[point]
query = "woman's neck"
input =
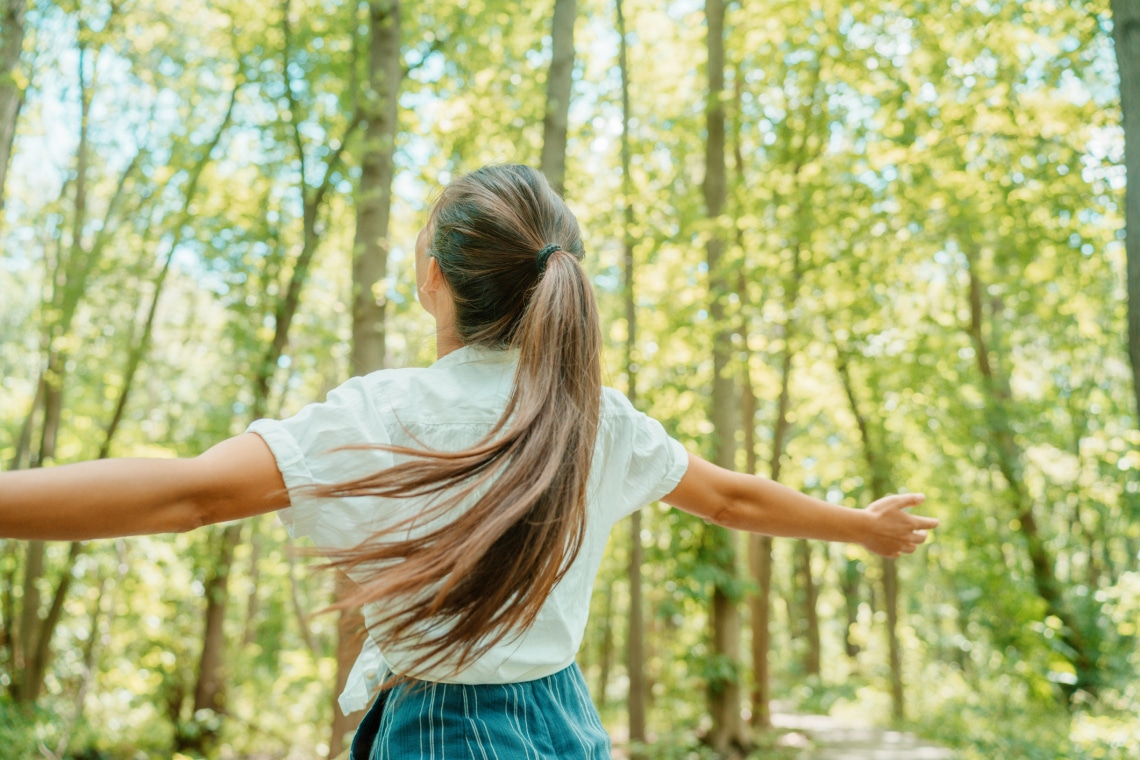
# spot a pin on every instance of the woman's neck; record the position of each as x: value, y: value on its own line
x: 446, y: 341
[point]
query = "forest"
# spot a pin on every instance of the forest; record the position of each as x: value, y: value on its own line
x: 856, y: 247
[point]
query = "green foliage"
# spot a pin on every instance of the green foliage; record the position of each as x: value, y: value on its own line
x: 885, y: 153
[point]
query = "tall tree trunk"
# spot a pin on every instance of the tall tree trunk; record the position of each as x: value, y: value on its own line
x: 724, y: 691
x: 635, y: 652
x: 558, y: 83
x: 210, y: 688
x: 12, y: 30
x: 374, y: 198
x: 879, y: 470
x: 894, y: 648
x: 1126, y: 35
x: 810, y: 612
x: 850, y: 588
x: 379, y: 110
x: 760, y: 562
x: 606, y: 645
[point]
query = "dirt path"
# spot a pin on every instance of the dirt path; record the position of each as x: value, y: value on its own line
x: 824, y: 738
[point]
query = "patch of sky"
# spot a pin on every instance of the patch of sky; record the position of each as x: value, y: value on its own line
x: 679, y: 10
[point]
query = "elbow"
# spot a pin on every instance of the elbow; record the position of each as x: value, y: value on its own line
x: 183, y: 517
x: 193, y: 519
x: 727, y: 513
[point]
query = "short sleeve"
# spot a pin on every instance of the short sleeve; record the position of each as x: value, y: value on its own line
x: 308, y: 448
x: 651, y: 462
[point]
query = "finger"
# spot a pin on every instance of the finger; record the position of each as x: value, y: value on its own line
x: 903, y: 500
x: 919, y: 536
x: 928, y: 523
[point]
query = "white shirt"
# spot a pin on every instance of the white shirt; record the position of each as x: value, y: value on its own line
x: 452, y: 405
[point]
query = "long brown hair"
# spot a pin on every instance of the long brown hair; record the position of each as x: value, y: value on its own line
x: 485, y: 574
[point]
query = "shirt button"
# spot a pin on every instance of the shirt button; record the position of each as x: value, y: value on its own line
x: 370, y: 675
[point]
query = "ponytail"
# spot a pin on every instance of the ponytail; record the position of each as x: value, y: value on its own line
x: 486, y: 573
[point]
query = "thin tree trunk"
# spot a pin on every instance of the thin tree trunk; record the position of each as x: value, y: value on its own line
x: 24, y: 443
x: 28, y: 628
x: 1126, y: 35
x: 760, y: 566
x: 850, y: 587
x: 350, y: 635
x: 12, y: 30
x: 606, y: 645
x: 558, y: 84
x: 879, y: 470
x: 209, y: 690
x: 374, y: 199
x: 635, y: 652
x: 253, y: 604
x: 809, y: 600
x: 724, y: 690
x: 894, y: 648
x: 380, y: 112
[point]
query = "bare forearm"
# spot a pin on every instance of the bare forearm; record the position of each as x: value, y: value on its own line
x: 758, y: 505
x: 111, y: 497
x: 764, y: 506
x: 126, y: 497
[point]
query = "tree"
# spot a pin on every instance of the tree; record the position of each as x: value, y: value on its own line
x: 369, y: 271
x: 12, y: 30
x: 724, y: 683
x: 1126, y: 34
x: 558, y: 81
x: 635, y: 655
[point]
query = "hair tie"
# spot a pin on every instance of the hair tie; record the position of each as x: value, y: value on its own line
x: 545, y: 254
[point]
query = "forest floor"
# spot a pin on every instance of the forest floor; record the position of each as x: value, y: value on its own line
x: 799, y: 736
x: 821, y: 737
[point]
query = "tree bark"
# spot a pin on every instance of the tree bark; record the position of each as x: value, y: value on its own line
x: 809, y: 600
x: 606, y: 646
x: 635, y: 652
x: 760, y: 562
x: 209, y: 689
x: 379, y: 110
x: 850, y: 588
x: 12, y: 30
x: 1126, y: 35
x: 374, y: 198
x: 558, y: 85
x: 724, y: 690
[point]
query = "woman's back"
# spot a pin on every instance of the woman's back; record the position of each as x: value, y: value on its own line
x: 451, y: 406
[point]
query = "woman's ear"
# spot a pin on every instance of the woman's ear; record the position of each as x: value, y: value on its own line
x: 434, y: 279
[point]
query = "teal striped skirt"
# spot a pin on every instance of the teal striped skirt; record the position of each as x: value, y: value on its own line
x: 551, y: 717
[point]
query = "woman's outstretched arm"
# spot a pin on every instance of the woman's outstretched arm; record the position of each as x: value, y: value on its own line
x: 758, y: 505
x: 125, y: 497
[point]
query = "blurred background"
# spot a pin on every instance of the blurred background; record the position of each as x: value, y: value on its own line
x: 859, y: 247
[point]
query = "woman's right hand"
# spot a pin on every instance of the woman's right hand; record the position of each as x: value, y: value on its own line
x: 893, y: 531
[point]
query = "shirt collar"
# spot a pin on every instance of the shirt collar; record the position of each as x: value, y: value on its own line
x: 470, y: 354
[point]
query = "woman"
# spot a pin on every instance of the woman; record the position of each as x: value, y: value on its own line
x: 470, y: 500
